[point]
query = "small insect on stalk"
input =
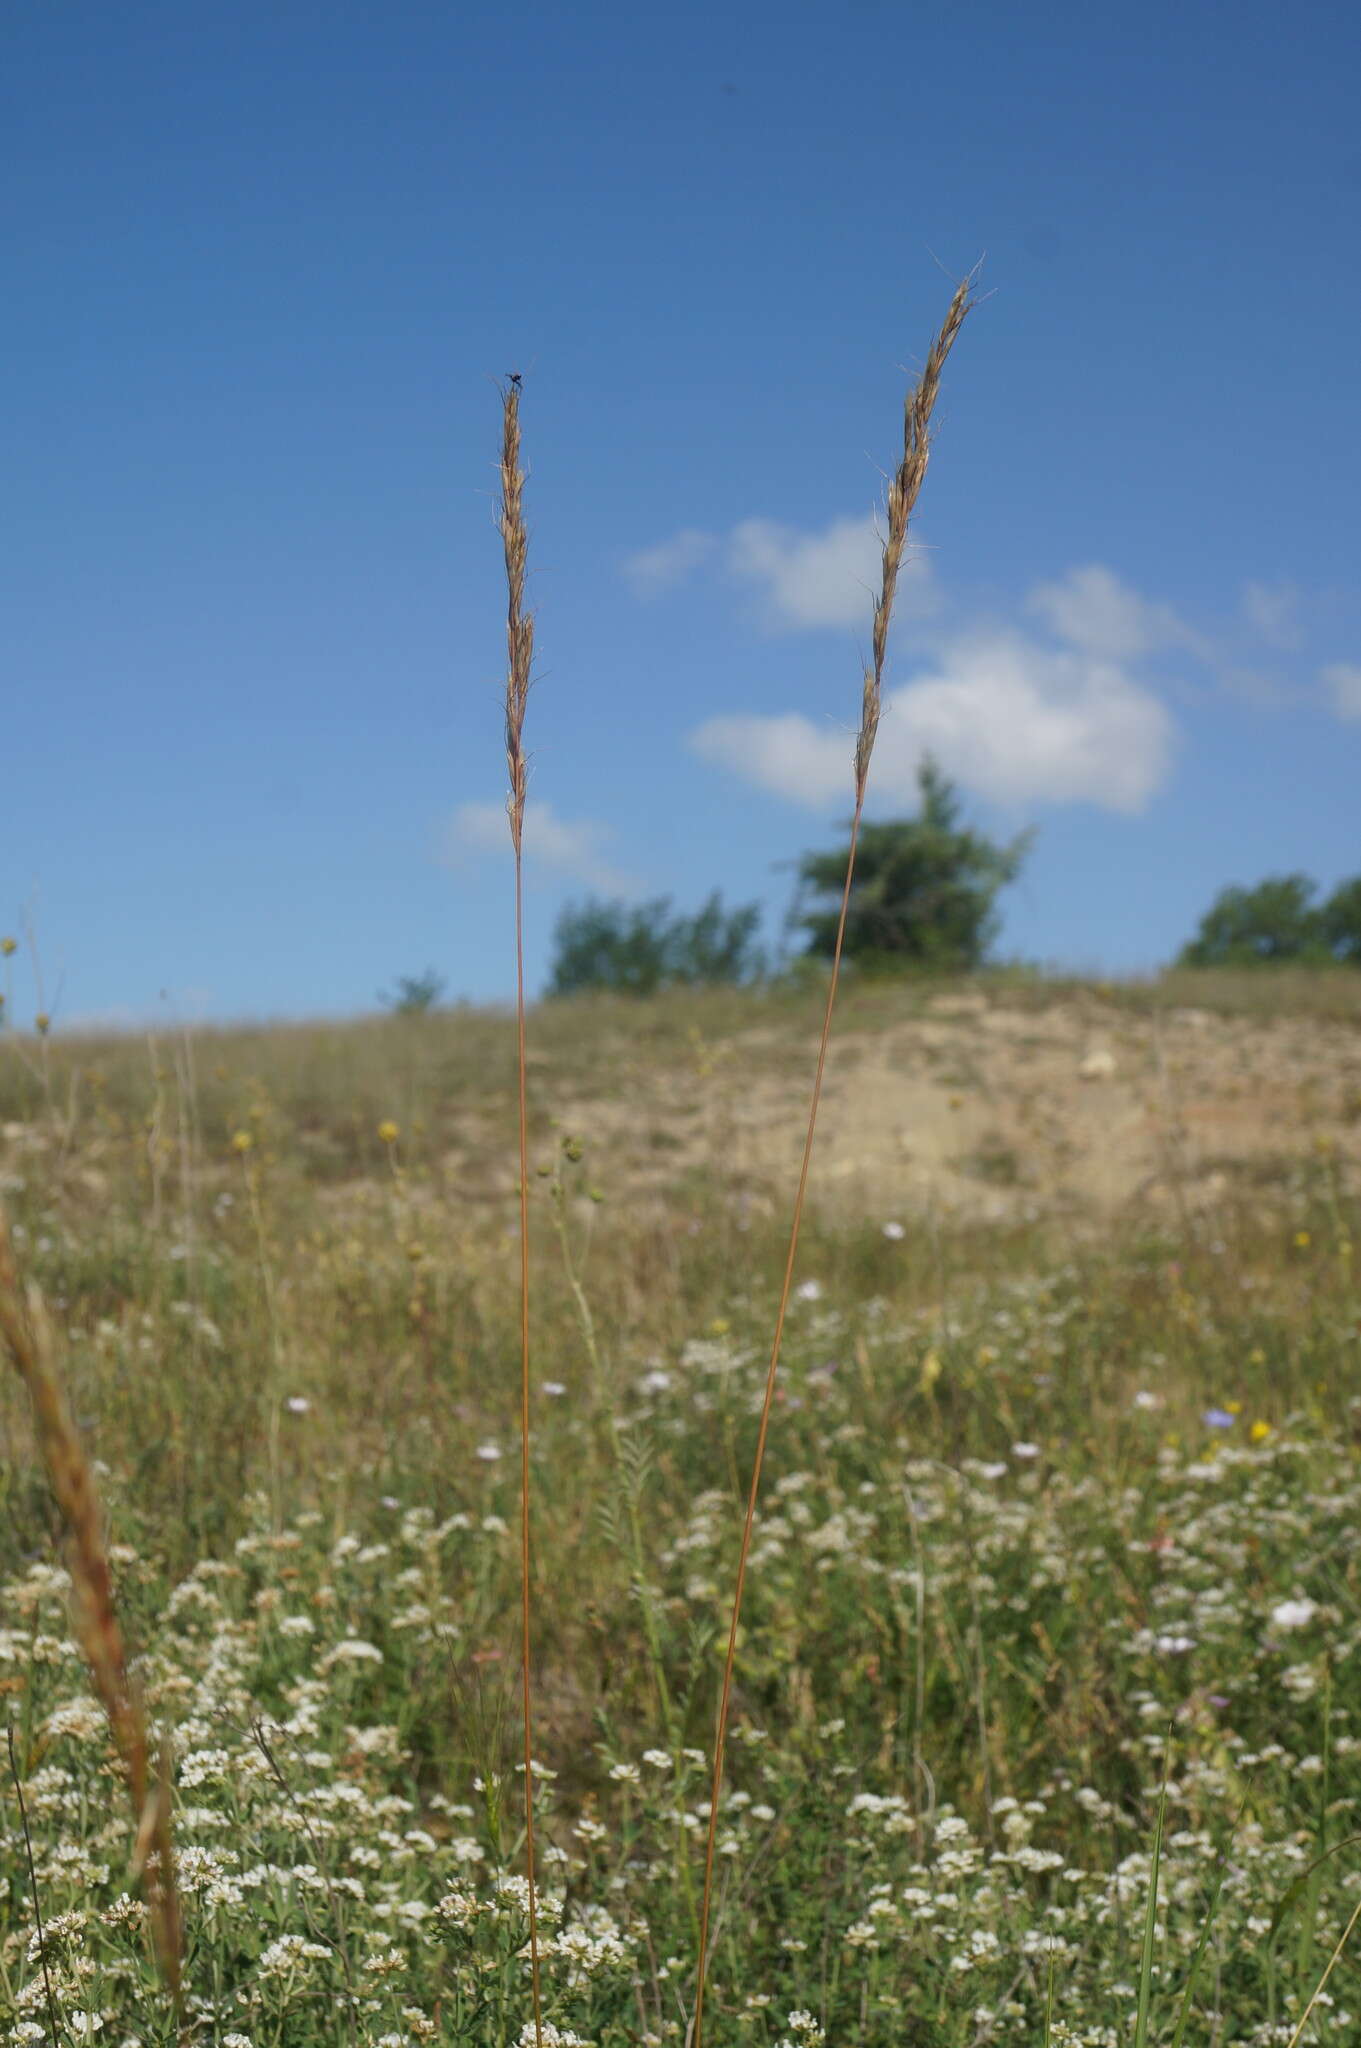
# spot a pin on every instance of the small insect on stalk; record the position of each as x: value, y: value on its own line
x: 903, y: 489
x: 520, y: 653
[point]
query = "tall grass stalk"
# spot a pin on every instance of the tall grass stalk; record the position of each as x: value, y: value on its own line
x: 628, y: 1487
x: 28, y: 1337
x: 903, y: 490
x: 520, y: 660
x: 34, y: 1892
x: 1145, y: 2005
x: 1342, y: 1941
x: 1305, y: 1884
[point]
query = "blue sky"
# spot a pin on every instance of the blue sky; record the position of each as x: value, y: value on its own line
x: 263, y: 267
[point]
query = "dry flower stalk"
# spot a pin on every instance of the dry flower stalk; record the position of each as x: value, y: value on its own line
x: 519, y: 622
x: 903, y: 489
x: 520, y: 658
x: 28, y: 1337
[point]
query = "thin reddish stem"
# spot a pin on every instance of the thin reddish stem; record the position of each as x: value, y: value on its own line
x: 725, y: 1700
x: 520, y: 652
x: 526, y: 1634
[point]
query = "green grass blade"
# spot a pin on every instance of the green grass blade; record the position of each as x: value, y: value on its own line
x: 1151, y: 1916
x: 1299, y: 1884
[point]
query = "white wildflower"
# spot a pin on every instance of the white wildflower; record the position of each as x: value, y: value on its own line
x: 1290, y: 1614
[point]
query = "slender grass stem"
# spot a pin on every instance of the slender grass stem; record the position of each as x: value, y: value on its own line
x: 520, y: 647
x: 903, y: 489
x: 1145, y: 2004
x: 642, y: 1588
x: 33, y: 1888
x: 1342, y: 1941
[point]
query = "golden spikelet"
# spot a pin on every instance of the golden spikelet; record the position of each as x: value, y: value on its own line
x: 904, y: 487
x: 519, y: 622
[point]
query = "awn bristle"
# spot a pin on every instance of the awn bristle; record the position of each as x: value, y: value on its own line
x: 903, y: 489
x: 27, y: 1334
x: 520, y: 649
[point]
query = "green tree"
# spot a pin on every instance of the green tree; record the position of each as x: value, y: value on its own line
x: 1276, y: 921
x: 639, y: 948
x: 1341, y: 916
x: 415, y: 994
x: 924, y: 891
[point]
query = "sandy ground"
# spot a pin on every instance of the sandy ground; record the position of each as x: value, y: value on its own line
x: 978, y: 1109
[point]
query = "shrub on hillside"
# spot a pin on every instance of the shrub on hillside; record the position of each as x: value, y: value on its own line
x: 640, y: 948
x: 924, y: 892
x: 1278, y: 920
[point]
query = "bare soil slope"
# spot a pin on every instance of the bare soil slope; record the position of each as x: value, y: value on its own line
x: 977, y: 1107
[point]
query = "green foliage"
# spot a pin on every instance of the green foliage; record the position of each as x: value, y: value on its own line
x: 1278, y: 920
x: 415, y: 994
x: 924, y: 888
x: 1341, y: 917
x: 640, y: 948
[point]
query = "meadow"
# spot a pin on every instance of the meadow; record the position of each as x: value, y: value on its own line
x: 380, y: 1492
x: 1059, y: 1522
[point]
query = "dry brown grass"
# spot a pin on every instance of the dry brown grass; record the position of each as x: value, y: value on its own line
x: 520, y: 658
x: 29, y: 1339
x: 903, y: 490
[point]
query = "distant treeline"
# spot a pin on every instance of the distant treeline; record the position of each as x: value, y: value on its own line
x: 1281, y: 919
x: 923, y: 896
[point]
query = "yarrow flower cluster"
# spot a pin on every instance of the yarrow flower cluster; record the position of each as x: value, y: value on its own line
x: 346, y: 1869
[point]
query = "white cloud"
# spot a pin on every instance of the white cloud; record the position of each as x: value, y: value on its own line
x: 787, y: 754
x: 1343, y: 680
x: 1095, y: 612
x: 1009, y: 719
x: 572, y: 849
x: 827, y: 578
x: 1269, y: 609
x: 656, y: 569
x: 801, y: 581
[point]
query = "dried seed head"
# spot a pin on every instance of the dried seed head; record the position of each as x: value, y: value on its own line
x: 903, y: 489
x: 519, y: 622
